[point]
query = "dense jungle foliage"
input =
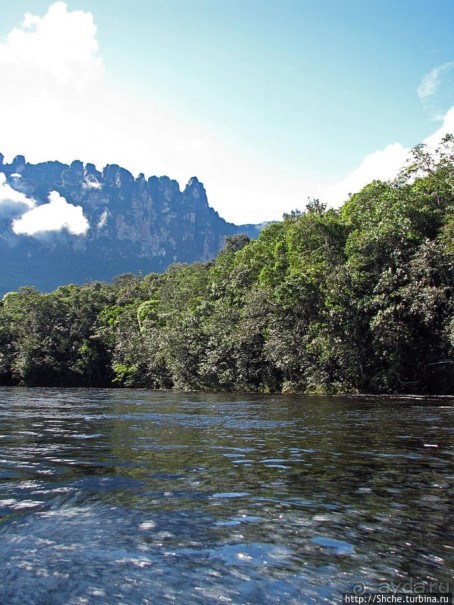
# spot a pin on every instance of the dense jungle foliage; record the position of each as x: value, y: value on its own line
x: 355, y: 299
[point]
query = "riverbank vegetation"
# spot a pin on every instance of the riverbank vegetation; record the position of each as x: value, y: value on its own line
x: 354, y: 299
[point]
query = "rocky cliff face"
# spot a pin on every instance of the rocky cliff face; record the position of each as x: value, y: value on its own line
x: 132, y: 224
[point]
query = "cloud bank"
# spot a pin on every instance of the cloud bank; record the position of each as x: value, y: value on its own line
x: 62, y: 106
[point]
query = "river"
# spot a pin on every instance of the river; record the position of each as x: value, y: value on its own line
x: 139, y: 497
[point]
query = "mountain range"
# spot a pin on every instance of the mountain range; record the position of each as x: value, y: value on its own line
x: 63, y: 223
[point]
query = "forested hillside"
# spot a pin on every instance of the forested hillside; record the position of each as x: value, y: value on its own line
x: 356, y: 299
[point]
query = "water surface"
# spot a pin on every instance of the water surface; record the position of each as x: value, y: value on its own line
x: 137, y: 497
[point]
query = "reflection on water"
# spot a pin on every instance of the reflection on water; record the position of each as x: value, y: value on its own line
x: 140, y: 497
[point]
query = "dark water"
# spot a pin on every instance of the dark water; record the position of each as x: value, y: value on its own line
x: 134, y: 497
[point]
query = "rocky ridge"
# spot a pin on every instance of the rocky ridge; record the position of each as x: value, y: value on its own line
x: 135, y: 224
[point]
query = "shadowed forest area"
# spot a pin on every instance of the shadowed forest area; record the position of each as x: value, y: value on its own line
x: 358, y: 299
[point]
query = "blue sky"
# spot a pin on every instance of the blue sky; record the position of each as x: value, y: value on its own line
x: 266, y: 101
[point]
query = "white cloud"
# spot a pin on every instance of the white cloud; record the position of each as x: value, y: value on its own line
x: 57, y: 215
x: 9, y: 196
x: 446, y: 128
x: 430, y: 83
x: 32, y: 219
x: 380, y: 165
x: 384, y: 164
x: 436, y: 90
x: 60, y: 105
x: 60, y: 46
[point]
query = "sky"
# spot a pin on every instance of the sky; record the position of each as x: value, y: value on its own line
x: 267, y: 102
